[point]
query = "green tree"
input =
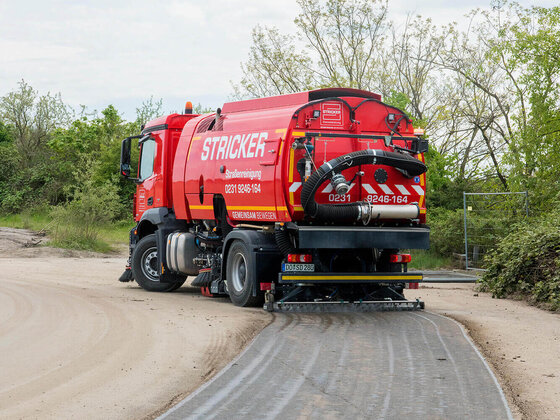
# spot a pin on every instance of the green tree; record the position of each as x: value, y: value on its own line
x: 532, y: 45
x: 149, y: 110
x: 338, y: 44
x: 6, y: 133
x: 33, y: 118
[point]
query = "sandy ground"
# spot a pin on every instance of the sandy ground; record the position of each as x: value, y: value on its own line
x: 75, y: 343
x: 520, y: 342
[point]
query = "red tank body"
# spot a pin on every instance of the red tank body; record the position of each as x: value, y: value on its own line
x: 245, y: 155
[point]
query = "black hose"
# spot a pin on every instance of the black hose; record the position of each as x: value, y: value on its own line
x: 282, y: 237
x: 349, y: 212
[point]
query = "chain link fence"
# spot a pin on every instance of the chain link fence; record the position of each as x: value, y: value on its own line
x: 488, y: 217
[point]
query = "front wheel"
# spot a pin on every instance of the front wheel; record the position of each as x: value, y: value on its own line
x: 144, y: 266
x: 240, y: 276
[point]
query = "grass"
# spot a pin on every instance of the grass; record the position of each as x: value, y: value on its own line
x: 116, y: 233
x: 76, y: 242
x: 110, y: 238
x: 427, y: 260
x: 26, y: 220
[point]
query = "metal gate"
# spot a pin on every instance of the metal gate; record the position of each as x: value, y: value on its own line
x: 488, y: 217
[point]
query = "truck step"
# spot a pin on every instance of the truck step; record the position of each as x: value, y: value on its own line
x: 346, y: 306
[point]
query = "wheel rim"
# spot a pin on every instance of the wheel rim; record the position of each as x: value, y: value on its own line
x: 149, y: 264
x: 239, y: 272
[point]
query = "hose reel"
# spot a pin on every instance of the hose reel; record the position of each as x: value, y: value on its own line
x: 364, y: 211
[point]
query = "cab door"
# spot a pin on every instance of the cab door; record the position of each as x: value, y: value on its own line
x: 148, y: 175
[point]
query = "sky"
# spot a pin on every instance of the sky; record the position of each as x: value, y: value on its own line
x: 100, y: 52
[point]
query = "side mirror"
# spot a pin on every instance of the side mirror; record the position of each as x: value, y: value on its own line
x: 125, y: 156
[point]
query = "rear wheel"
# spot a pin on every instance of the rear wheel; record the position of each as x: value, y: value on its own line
x: 144, y: 266
x: 240, y: 276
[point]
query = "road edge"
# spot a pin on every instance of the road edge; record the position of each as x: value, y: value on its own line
x: 496, y: 376
x: 173, y: 405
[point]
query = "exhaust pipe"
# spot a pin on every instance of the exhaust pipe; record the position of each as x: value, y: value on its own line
x: 368, y: 212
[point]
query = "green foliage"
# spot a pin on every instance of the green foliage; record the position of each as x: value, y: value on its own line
x: 527, y: 263
x: 428, y: 260
x: 445, y: 187
x: 532, y: 44
x: 37, y: 218
x: 149, y: 110
x: 70, y: 167
x: 200, y: 109
x: 6, y: 133
x: 398, y: 99
x: 77, y: 223
x: 32, y: 119
x: 337, y: 45
x: 446, y: 231
x: 40, y: 159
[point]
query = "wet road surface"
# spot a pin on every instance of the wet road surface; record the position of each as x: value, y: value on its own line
x: 379, y: 365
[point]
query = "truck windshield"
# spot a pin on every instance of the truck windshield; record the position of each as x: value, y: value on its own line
x: 147, y: 159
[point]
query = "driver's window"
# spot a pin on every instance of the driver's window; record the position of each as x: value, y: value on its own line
x: 147, y: 158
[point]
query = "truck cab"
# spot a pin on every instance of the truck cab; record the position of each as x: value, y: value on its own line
x: 158, y: 144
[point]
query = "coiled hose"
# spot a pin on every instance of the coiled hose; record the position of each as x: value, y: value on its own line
x: 349, y: 212
x: 282, y: 238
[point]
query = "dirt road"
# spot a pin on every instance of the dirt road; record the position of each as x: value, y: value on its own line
x: 75, y: 343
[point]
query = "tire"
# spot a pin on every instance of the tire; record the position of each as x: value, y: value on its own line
x: 178, y: 284
x: 240, y: 277
x: 145, y: 269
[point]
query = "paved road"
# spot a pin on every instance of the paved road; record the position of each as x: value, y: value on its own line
x: 381, y: 365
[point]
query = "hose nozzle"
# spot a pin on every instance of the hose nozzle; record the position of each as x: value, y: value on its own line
x: 340, y: 184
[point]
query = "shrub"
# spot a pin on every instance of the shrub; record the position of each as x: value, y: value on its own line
x: 77, y: 222
x: 446, y: 231
x: 527, y: 263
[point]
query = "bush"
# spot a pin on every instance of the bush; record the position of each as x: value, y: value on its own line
x: 446, y: 231
x: 77, y: 222
x: 527, y: 263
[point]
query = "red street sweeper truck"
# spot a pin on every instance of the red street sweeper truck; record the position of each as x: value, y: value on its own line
x: 295, y: 201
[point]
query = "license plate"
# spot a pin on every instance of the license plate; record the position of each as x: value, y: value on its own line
x: 298, y: 267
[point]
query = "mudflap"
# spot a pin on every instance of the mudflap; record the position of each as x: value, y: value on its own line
x: 126, y: 276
